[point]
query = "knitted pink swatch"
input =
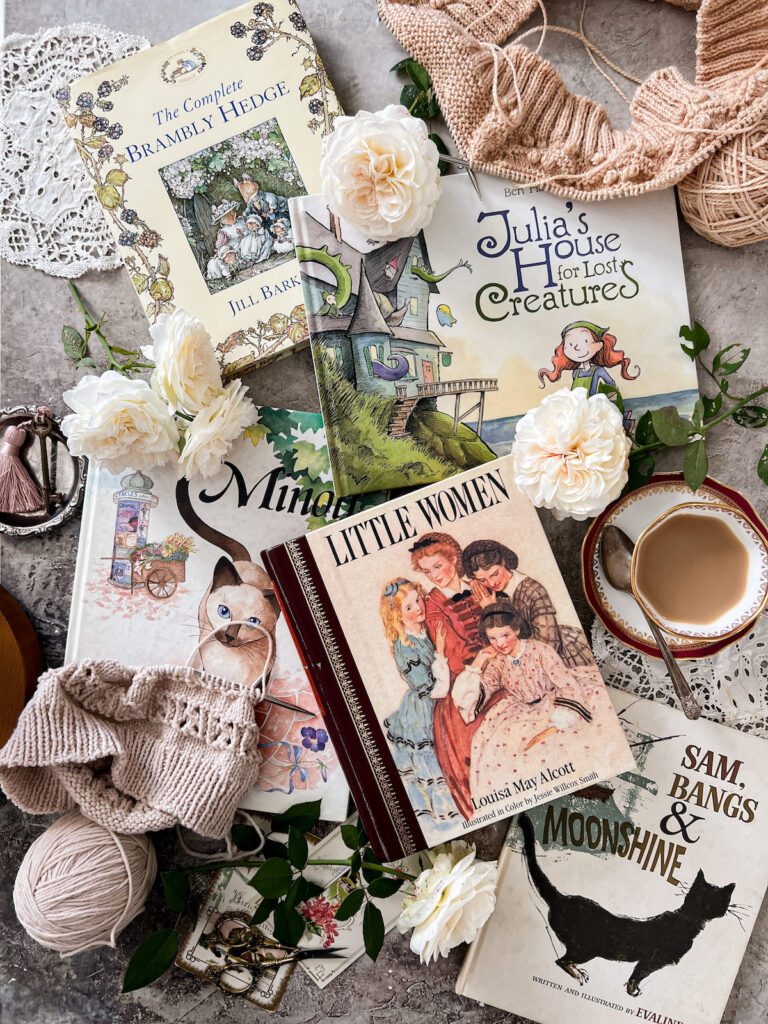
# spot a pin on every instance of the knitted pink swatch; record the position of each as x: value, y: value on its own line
x: 512, y: 115
x: 136, y: 749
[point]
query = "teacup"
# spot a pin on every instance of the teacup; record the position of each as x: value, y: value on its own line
x: 700, y: 571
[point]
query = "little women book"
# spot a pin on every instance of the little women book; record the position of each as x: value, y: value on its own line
x: 194, y: 148
x: 166, y: 570
x: 636, y: 897
x: 429, y: 349
x: 455, y: 680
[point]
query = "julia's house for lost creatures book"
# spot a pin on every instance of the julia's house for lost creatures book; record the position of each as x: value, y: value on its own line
x: 167, y: 567
x: 194, y: 148
x: 634, y: 898
x: 456, y: 682
x: 428, y: 349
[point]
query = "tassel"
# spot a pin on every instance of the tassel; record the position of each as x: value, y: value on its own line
x: 18, y: 491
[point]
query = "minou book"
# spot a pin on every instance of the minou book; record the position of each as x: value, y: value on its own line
x: 454, y: 677
x: 168, y: 573
x: 194, y: 148
x: 633, y: 898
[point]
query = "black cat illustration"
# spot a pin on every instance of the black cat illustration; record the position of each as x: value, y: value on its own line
x: 588, y: 931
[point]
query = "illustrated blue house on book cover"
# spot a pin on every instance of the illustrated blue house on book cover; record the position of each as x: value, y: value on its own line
x: 425, y: 362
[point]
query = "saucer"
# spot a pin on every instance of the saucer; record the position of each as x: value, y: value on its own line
x: 619, y: 612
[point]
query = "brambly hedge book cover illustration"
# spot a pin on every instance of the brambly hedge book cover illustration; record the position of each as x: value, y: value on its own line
x: 428, y: 349
x: 162, y: 564
x: 457, y: 684
x: 636, y: 897
x: 194, y: 148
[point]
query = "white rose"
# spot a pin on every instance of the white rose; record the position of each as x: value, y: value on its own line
x: 186, y: 372
x: 210, y: 435
x: 571, y: 454
x: 380, y: 173
x: 119, y: 422
x: 452, y: 901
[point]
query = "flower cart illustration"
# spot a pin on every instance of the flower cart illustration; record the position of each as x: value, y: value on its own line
x: 161, y: 567
x: 135, y: 562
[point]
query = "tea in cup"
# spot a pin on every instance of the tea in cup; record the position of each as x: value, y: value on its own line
x: 700, y: 571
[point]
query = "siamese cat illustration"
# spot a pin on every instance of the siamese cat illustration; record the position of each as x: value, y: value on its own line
x: 240, y: 591
x: 589, y: 931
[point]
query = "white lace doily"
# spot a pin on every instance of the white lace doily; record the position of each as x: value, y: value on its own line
x: 732, y: 687
x: 49, y: 216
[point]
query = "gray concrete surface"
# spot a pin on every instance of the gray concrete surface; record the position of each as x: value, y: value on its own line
x: 727, y: 292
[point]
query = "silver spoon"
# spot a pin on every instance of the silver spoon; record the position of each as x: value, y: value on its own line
x: 616, y: 555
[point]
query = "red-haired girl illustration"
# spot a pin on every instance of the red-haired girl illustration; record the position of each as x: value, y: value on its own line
x: 587, y: 350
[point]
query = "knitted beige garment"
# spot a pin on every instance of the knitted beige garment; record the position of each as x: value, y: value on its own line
x: 136, y: 749
x: 511, y: 114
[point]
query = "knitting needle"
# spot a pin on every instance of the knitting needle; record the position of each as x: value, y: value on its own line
x: 287, y: 706
x: 272, y: 700
x: 462, y: 165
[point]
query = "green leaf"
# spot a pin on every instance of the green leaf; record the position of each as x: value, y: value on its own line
x: 442, y: 166
x: 351, y: 837
x: 311, y: 459
x: 354, y: 865
x: 312, y: 889
x: 697, y: 336
x: 297, y: 847
x: 644, y: 432
x: 273, y: 878
x: 193, y: 907
x: 288, y: 925
x: 153, y: 958
x: 670, y: 426
x: 361, y: 830
x: 409, y: 95
x: 712, y: 405
x: 262, y: 912
x: 350, y: 905
x: 418, y: 75
x: 245, y: 837
x: 371, y: 858
x: 698, y: 414
x: 401, y: 64
x: 297, y: 893
x: 274, y: 849
x: 117, y: 177
x: 383, y: 887
x: 303, y: 816
x: 433, y: 108
x: 751, y: 416
x: 723, y: 366
x: 640, y: 472
x: 86, y: 361
x: 373, y: 930
x: 309, y: 85
x: 695, y: 464
x: 255, y: 432
x: 107, y: 195
x: 762, y: 465
x: 176, y: 886
x: 73, y: 342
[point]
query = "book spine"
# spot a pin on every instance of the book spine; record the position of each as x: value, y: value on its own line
x: 387, y: 815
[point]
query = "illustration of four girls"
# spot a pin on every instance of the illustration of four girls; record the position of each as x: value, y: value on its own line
x: 495, y: 682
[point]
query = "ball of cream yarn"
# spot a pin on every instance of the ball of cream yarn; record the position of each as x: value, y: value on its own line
x: 79, y: 884
x: 725, y: 198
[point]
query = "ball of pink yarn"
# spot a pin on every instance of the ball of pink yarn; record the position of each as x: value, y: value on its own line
x: 80, y: 884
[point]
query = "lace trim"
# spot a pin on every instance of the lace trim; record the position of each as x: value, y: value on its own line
x: 732, y: 686
x: 49, y: 216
